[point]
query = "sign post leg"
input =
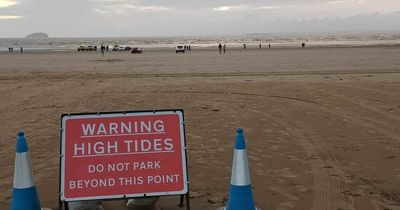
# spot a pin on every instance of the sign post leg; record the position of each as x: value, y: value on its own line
x: 187, y: 201
x: 62, y: 205
x: 181, y: 201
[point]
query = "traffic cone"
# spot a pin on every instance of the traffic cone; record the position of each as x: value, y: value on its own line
x: 24, y: 196
x: 240, y: 195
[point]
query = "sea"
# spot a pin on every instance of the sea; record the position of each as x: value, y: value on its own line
x: 276, y: 41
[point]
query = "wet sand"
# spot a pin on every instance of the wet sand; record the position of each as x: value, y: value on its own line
x: 321, y: 124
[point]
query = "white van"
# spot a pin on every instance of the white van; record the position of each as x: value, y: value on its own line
x: 180, y: 48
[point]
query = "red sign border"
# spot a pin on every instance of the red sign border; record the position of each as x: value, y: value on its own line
x: 64, y: 117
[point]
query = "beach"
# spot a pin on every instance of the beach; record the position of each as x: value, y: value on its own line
x: 321, y: 124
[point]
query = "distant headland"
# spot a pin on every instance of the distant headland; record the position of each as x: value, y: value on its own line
x: 37, y: 35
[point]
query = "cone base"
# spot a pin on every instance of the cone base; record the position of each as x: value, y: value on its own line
x: 240, y: 198
x: 26, y: 199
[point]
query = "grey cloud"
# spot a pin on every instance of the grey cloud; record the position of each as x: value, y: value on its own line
x: 362, y: 22
x: 206, y: 17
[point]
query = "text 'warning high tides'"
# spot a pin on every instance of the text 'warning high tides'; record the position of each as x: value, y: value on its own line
x: 123, y: 155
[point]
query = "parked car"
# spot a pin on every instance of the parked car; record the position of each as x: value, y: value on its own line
x: 115, y: 47
x: 179, y: 48
x: 136, y: 50
x: 87, y: 48
x: 121, y: 48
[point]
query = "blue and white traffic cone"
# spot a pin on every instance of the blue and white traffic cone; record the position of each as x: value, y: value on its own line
x: 240, y: 195
x: 24, y: 196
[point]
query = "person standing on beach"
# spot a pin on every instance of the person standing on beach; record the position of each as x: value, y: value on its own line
x: 22, y: 49
x: 102, y: 50
x: 9, y: 49
x: 269, y: 45
x: 224, y: 48
x: 244, y: 46
x: 220, y: 48
x: 260, y: 45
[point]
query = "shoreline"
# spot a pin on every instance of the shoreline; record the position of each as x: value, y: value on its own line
x: 278, y: 46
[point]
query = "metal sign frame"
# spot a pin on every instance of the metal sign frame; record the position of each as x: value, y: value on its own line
x: 185, y: 173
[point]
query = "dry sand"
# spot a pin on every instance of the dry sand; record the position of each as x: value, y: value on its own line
x: 322, y: 125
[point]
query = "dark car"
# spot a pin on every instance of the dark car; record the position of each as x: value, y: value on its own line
x: 136, y: 50
x: 87, y: 48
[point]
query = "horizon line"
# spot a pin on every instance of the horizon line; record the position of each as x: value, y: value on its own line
x: 213, y: 35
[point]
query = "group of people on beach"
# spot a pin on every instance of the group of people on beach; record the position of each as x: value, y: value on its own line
x: 11, y: 49
x: 220, y: 47
x: 103, y: 48
x: 187, y: 47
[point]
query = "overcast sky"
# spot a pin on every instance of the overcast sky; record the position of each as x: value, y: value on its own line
x: 116, y: 18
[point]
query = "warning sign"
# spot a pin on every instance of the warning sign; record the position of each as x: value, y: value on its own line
x: 122, y: 155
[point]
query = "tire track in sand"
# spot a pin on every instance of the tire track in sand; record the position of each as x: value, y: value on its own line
x: 380, y: 125
x: 390, y: 198
x: 329, y: 179
x: 354, y: 102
